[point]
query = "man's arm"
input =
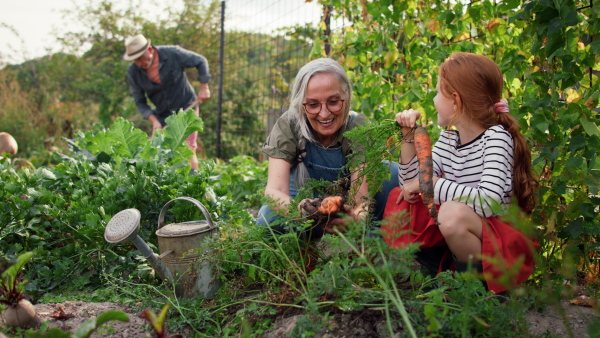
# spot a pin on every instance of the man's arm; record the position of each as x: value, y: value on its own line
x: 192, y: 59
x: 139, y: 96
x: 155, y: 123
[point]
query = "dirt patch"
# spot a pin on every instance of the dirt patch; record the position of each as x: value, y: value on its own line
x: 553, y: 319
x: 74, y: 313
x: 366, y: 323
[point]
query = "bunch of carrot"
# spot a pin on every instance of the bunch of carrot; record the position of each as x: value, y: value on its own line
x: 330, y: 205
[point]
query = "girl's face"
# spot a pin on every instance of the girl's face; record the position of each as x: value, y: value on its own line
x: 324, y: 92
x: 444, y: 106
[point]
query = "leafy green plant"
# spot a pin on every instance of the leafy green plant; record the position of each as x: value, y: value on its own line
x: 241, y: 179
x: 61, y: 211
x: 12, y: 288
x: 19, y: 311
x: 379, y: 141
x: 157, y: 321
x: 460, y: 306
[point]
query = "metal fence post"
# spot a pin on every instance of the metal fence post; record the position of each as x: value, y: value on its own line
x: 327, y: 20
x: 220, y: 101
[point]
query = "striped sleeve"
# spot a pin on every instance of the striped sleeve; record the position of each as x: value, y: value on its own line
x: 489, y: 194
x: 410, y: 171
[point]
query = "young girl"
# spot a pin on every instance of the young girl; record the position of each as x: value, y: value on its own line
x: 479, y: 168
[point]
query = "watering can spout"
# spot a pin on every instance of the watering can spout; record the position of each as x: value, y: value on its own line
x: 158, y: 266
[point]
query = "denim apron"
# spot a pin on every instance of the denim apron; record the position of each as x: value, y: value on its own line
x: 321, y: 163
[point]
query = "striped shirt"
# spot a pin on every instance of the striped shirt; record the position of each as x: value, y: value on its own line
x: 478, y: 173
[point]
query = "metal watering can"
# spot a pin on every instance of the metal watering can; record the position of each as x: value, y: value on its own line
x: 179, y: 262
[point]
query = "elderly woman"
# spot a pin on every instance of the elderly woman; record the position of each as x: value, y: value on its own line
x: 308, y: 142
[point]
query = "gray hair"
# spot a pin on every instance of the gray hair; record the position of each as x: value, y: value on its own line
x: 296, y: 98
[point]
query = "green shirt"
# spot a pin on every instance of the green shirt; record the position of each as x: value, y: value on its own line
x: 283, y: 139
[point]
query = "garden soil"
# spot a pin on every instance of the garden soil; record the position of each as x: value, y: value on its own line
x: 72, y: 314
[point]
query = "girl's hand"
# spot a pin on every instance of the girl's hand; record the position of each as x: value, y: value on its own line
x: 410, y: 192
x: 407, y: 119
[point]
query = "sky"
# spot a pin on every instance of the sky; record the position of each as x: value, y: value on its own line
x: 33, y: 21
x: 26, y: 26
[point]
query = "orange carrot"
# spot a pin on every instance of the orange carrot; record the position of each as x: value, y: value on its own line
x: 423, y: 149
x: 390, y: 141
x: 330, y: 205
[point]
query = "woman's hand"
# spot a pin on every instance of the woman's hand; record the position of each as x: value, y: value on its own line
x: 308, y: 206
x: 341, y: 223
x: 410, y: 192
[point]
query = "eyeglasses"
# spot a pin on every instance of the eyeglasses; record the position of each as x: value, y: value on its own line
x: 333, y: 106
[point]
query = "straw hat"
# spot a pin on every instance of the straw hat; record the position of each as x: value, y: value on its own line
x: 135, y: 47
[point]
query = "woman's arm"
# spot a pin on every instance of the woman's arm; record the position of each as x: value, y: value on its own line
x: 278, y: 183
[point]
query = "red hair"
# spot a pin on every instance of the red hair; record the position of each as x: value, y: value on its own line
x: 478, y: 81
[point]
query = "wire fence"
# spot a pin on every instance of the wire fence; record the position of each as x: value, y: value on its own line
x: 264, y: 43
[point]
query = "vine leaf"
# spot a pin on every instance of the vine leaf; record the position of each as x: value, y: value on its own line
x: 590, y: 127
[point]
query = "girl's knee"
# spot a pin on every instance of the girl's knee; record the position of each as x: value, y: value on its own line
x: 454, y: 218
x: 450, y: 210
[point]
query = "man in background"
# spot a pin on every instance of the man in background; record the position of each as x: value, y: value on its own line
x: 158, y: 73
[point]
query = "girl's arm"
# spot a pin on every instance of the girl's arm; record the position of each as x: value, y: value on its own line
x: 407, y: 120
x: 408, y: 171
x: 278, y: 183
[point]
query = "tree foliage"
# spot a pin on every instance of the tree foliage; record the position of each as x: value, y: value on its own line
x: 549, y: 54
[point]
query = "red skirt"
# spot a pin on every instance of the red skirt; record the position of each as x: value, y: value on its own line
x: 507, y: 254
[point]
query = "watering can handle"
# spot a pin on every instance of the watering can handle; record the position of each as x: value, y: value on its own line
x: 161, y: 216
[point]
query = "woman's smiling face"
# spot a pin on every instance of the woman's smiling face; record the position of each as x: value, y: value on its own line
x: 323, y: 88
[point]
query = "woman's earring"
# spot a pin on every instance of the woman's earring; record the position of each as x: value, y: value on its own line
x: 454, y: 107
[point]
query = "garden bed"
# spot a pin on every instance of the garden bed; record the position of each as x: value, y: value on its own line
x: 367, y: 323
